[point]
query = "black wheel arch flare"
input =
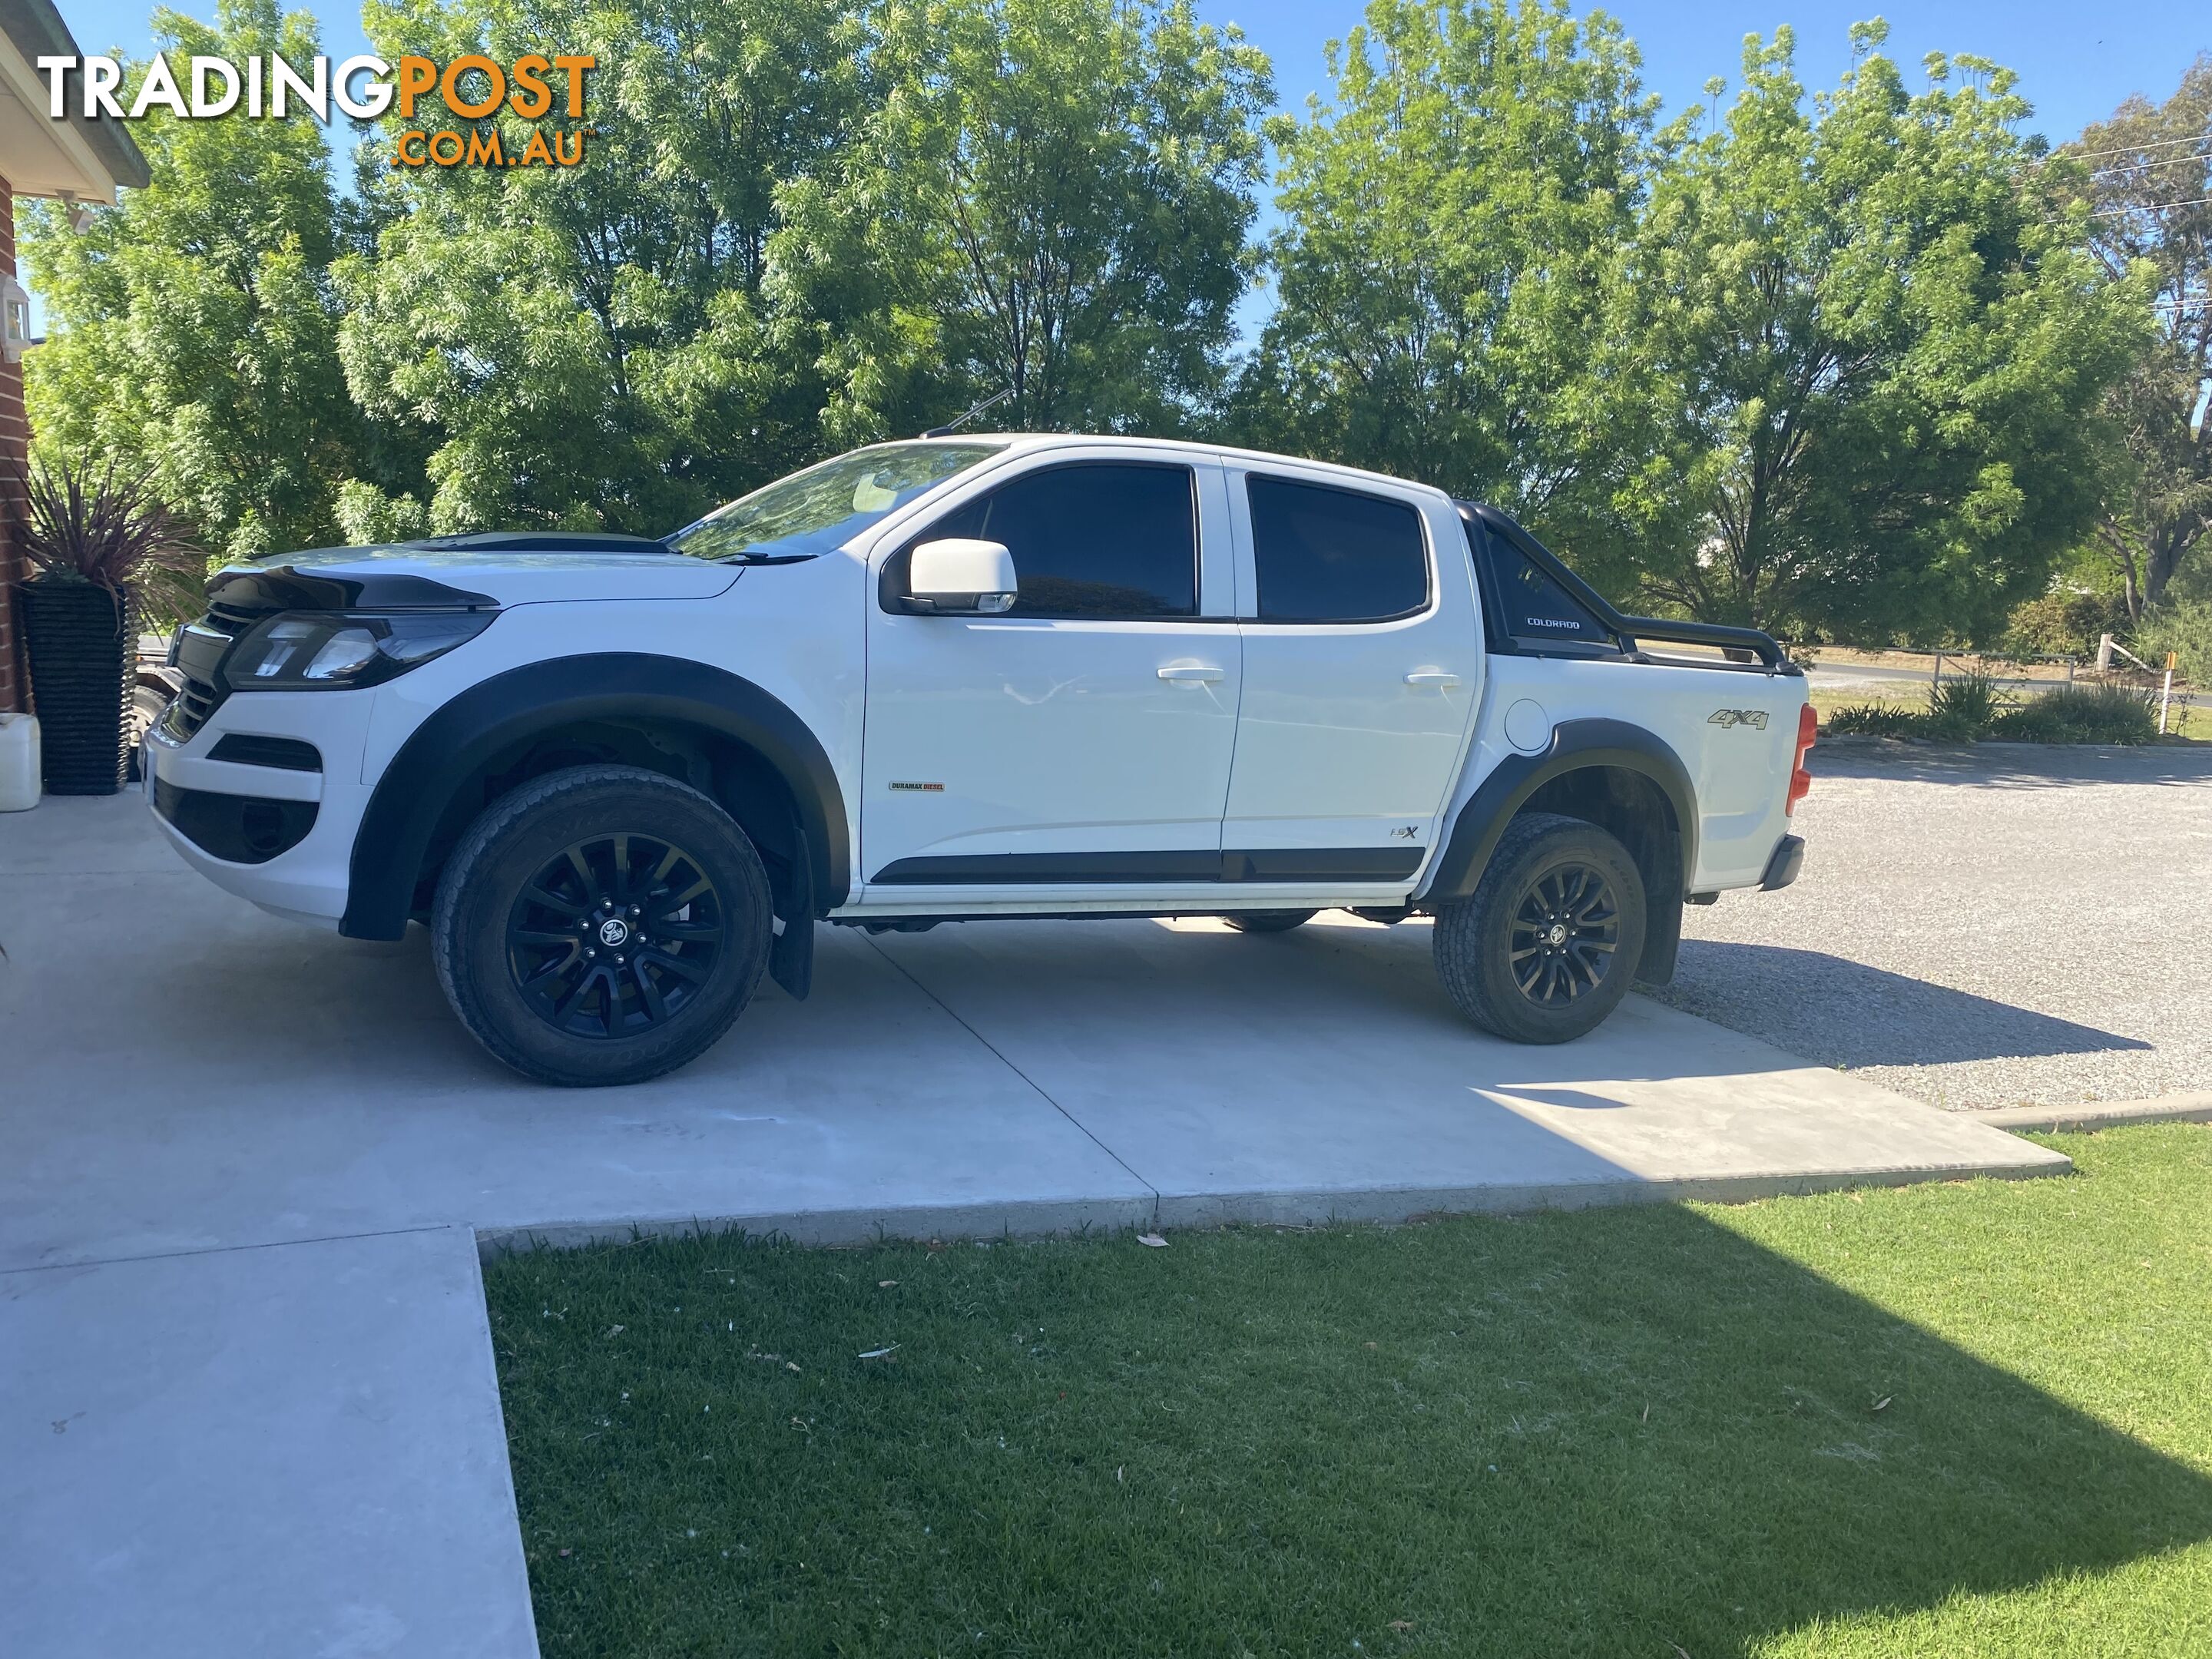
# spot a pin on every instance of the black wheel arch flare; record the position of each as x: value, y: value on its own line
x: 1579, y: 745
x: 452, y: 746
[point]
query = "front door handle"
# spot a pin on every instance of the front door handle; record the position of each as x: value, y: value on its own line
x: 1189, y: 670
x: 1432, y: 677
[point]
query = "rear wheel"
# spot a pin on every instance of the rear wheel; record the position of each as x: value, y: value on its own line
x: 600, y: 925
x: 1546, y: 946
x: 1270, y: 922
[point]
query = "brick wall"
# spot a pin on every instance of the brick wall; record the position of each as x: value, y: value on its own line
x: 15, y: 453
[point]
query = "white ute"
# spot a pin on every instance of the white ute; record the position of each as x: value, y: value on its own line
x: 963, y: 678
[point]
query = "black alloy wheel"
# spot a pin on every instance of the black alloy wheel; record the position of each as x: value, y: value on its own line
x: 615, y: 935
x: 1565, y: 934
x: 1546, y: 946
x: 602, y: 924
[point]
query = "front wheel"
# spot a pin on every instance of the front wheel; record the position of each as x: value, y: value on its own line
x: 1546, y: 946
x: 601, y: 925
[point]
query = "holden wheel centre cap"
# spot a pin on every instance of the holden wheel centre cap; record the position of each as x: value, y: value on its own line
x: 614, y: 932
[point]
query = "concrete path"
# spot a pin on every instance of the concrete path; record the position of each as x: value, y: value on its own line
x: 239, y: 1161
x: 290, y: 1451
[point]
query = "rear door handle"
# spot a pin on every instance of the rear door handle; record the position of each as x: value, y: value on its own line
x: 1432, y: 677
x: 1187, y: 670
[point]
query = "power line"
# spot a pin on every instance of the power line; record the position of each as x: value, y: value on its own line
x: 2133, y: 149
x: 2145, y: 166
x: 2149, y: 207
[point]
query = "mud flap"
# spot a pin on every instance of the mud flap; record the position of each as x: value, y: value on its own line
x: 791, y: 953
x: 1663, y: 910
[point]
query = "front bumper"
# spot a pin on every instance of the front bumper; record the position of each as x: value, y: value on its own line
x: 249, y: 816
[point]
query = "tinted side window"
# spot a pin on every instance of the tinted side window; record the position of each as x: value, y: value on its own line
x: 1536, y: 608
x: 1327, y: 555
x: 1098, y: 540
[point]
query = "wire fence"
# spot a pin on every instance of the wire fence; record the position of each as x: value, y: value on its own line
x: 2177, y: 704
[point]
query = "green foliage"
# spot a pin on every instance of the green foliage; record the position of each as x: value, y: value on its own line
x: 2080, y: 713
x: 1971, y: 707
x: 1051, y: 197
x: 1875, y: 720
x: 2151, y: 184
x: 1866, y: 348
x: 1963, y: 708
x: 1833, y: 364
x: 594, y: 346
x: 2060, y: 624
x: 1448, y: 224
x: 193, y: 327
x: 112, y: 531
x: 2185, y: 628
x: 799, y: 226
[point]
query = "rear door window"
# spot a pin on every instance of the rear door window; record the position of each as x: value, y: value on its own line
x: 1323, y: 555
x: 1095, y: 540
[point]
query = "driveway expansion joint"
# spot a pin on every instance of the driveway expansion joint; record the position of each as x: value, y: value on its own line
x: 226, y: 1249
x: 1042, y: 1093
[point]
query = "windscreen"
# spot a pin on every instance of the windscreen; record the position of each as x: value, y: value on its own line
x: 821, y: 509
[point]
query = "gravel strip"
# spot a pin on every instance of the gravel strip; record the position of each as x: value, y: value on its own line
x: 2010, y: 925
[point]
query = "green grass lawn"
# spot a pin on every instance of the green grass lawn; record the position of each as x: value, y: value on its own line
x: 1965, y: 1419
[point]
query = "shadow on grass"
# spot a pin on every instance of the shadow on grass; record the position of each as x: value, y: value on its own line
x: 1602, y: 1433
x: 1840, y: 1012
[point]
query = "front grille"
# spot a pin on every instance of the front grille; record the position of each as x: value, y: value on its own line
x: 201, y: 648
x: 189, y: 709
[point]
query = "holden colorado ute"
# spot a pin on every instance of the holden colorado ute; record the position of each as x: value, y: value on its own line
x: 965, y: 678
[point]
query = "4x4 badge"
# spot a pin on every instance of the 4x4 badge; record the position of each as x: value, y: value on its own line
x: 1755, y: 718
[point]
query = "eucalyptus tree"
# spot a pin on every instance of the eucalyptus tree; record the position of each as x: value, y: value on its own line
x: 2147, y: 175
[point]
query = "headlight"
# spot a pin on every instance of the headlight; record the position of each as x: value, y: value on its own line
x: 340, y: 650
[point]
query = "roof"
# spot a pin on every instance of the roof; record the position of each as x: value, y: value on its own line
x: 1190, y: 446
x: 88, y: 157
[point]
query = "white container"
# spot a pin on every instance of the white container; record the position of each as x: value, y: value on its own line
x: 19, y: 763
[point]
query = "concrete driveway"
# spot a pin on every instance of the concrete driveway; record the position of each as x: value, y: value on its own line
x: 247, y: 1395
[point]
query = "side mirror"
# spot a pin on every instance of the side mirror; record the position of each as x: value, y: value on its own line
x: 959, y: 575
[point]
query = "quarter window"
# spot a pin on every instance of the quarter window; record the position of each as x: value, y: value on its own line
x: 1335, y: 556
x: 1535, y: 610
x: 1102, y: 541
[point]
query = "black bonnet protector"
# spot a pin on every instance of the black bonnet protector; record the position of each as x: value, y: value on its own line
x: 284, y: 587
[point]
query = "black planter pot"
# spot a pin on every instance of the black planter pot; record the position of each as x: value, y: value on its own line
x: 83, y: 647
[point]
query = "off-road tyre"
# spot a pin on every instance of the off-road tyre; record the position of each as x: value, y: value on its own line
x: 1495, y: 950
x: 504, y: 909
x: 1270, y: 922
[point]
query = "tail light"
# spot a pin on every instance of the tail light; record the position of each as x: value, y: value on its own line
x: 1800, y: 781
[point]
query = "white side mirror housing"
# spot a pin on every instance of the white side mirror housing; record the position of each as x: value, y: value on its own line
x: 961, y: 574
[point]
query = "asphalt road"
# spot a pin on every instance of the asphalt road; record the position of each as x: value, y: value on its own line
x: 2002, y: 926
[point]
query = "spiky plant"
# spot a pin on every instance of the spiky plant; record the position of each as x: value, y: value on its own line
x: 110, y: 530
